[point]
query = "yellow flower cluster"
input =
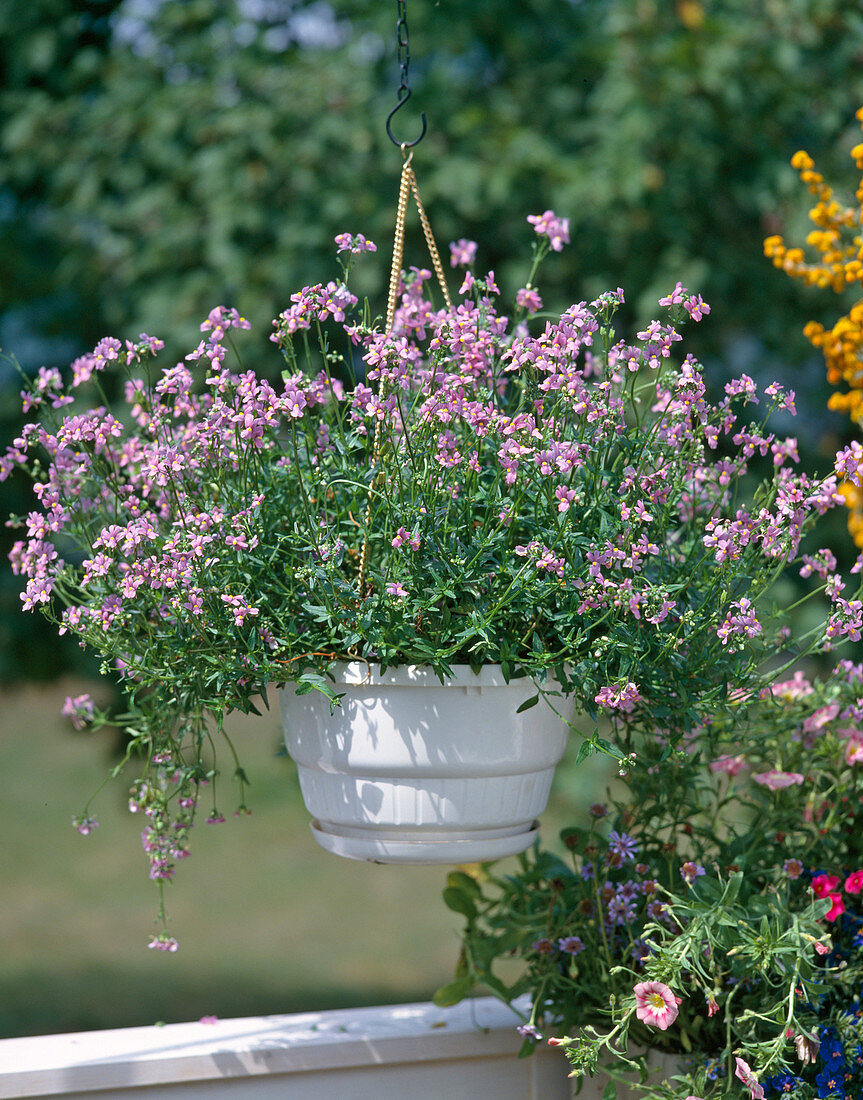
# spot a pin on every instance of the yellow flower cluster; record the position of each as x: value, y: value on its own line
x: 838, y: 242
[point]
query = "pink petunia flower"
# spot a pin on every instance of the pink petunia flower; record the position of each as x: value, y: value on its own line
x: 743, y: 1072
x: 837, y: 907
x: 854, y: 882
x: 776, y: 781
x: 824, y: 884
x: 731, y: 765
x: 854, y: 751
x: 655, y: 1004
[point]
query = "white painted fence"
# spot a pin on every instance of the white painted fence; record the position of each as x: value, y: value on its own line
x: 416, y: 1052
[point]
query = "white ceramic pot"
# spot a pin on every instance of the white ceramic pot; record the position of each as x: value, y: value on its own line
x: 409, y: 770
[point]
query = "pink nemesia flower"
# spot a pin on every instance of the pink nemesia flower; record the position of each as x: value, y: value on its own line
x: 551, y: 226
x: 655, y: 1004
x: 837, y: 907
x: 462, y: 252
x: 854, y: 882
x: 744, y: 1073
x: 775, y: 781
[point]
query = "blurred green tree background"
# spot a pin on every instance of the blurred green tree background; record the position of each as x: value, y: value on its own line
x: 158, y: 157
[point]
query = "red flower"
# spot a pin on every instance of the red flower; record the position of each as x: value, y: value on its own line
x: 837, y: 907
x: 854, y: 882
x: 822, y: 885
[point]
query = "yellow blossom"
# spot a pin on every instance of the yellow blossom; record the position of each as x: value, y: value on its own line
x: 838, y: 263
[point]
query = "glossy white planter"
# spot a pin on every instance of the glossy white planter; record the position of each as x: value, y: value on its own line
x: 409, y: 770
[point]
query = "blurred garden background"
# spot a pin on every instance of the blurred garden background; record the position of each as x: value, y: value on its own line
x: 160, y: 157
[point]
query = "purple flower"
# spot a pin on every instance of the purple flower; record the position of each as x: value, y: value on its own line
x: 623, y: 845
x: 551, y: 226
x: 80, y: 709
x: 542, y: 946
x: 691, y: 870
x: 462, y: 252
x: 355, y: 244
x: 107, y: 349
x: 742, y: 623
x: 850, y: 462
x: 85, y: 825
x: 570, y: 945
x: 528, y: 299
x: 163, y: 942
x: 619, y: 697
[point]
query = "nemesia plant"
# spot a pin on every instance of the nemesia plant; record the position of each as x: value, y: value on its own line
x: 471, y: 487
x: 710, y: 909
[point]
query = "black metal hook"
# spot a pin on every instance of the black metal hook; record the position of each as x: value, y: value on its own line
x: 404, y: 144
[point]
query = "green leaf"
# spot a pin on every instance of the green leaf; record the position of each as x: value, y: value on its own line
x: 528, y: 703
x: 585, y: 749
x: 460, y: 902
x: 454, y: 992
x: 465, y: 883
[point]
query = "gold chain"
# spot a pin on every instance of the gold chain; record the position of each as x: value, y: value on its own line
x: 399, y: 242
x: 407, y: 184
x: 430, y: 241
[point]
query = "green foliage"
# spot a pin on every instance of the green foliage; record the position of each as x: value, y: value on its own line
x: 706, y: 884
x: 197, y: 155
x: 153, y: 161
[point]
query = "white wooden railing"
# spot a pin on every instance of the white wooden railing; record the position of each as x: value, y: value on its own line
x: 416, y: 1052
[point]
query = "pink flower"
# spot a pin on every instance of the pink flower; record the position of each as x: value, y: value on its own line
x: 619, y: 697
x: 837, y: 907
x: 731, y: 765
x: 795, y: 688
x: 821, y: 718
x: 462, y: 252
x: 854, y: 882
x: 551, y: 226
x: 850, y: 461
x: 822, y: 885
x: 527, y: 298
x: 655, y: 1004
x: 854, y: 751
x: 776, y: 781
x: 744, y: 1073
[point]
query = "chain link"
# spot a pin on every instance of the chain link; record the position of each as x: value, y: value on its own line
x: 404, y: 53
x: 407, y: 186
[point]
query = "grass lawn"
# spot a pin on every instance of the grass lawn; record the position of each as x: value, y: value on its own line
x: 267, y: 921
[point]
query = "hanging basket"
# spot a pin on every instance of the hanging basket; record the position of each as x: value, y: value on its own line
x: 409, y: 770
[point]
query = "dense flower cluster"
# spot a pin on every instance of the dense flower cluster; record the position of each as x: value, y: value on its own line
x: 838, y: 243
x: 719, y: 917
x: 467, y: 487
